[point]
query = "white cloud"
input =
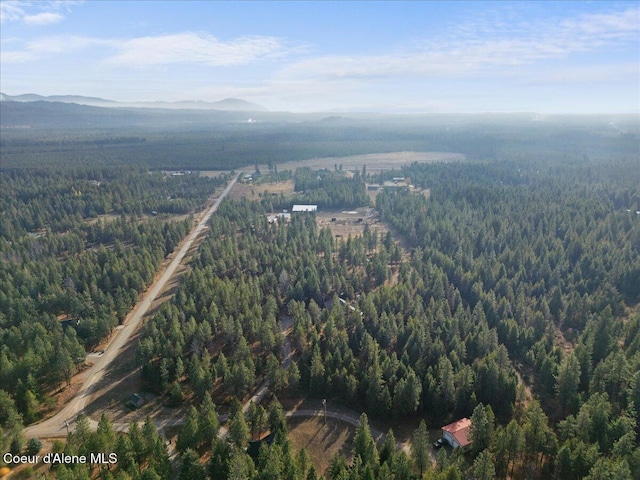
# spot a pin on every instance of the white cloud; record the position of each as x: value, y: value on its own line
x: 479, y: 48
x: 35, y: 13
x: 44, y: 18
x: 10, y: 11
x: 53, y: 45
x: 180, y: 48
x: 198, y: 48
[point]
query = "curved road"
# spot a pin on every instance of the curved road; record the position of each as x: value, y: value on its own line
x: 58, y: 425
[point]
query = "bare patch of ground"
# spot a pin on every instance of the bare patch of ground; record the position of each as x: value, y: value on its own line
x: 321, y: 441
x: 373, y: 161
x: 343, y: 223
x: 213, y: 173
x: 254, y: 192
x: 106, y: 218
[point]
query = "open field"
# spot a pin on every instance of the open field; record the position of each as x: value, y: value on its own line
x: 322, y: 441
x: 343, y: 223
x: 213, y: 173
x: 254, y: 192
x: 373, y: 161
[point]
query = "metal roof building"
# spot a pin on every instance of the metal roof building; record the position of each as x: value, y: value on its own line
x: 305, y: 208
x: 457, y: 433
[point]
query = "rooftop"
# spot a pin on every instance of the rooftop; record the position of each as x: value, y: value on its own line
x: 460, y: 431
x: 304, y: 208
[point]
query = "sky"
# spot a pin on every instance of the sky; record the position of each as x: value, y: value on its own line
x: 393, y: 57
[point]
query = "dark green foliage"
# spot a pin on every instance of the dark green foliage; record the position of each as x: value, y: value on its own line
x: 34, y: 446
x: 190, y: 467
x: 68, y: 277
x: 326, y: 189
x: 529, y: 263
x: 420, y: 448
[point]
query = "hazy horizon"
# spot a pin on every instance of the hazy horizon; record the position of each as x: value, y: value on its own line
x: 386, y: 57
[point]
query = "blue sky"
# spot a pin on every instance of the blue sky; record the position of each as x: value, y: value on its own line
x: 413, y: 57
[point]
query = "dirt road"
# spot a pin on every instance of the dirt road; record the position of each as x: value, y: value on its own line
x: 58, y: 425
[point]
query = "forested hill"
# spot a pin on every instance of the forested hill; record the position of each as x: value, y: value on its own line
x: 62, y: 115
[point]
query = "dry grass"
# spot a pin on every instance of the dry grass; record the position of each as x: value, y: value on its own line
x: 254, y: 192
x: 374, y: 161
x: 321, y: 441
x: 343, y: 223
x: 213, y: 173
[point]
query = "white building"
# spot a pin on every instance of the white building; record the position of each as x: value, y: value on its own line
x: 305, y: 208
x: 456, y: 434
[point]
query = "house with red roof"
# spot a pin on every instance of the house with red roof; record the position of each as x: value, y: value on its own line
x: 457, y: 433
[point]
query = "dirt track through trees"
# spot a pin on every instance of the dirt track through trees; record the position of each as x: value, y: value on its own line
x: 58, y: 425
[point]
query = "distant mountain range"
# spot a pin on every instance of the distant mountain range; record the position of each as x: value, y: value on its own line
x: 228, y: 104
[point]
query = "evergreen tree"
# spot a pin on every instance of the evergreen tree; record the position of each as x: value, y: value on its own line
x: 190, y: 468
x: 364, y: 445
x: 568, y: 381
x: 483, y: 468
x: 420, y: 448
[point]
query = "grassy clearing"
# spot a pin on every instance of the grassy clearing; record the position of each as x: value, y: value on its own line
x: 256, y: 192
x: 374, y: 161
x: 322, y: 441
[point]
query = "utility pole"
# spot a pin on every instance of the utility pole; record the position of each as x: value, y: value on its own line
x: 324, y: 404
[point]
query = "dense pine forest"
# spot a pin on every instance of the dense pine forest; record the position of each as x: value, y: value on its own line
x: 511, y: 268
x: 508, y: 295
x: 77, y: 247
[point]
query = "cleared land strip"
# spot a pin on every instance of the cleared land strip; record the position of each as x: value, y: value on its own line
x: 58, y: 425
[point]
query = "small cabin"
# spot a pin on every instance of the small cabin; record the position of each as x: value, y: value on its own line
x: 457, y: 433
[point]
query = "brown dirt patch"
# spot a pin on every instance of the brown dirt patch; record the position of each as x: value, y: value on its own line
x: 343, y: 223
x: 373, y: 161
x: 106, y: 218
x: 321, y: 441
x: 123, y: 378
x: 213, y: 173
x: 255, y: 192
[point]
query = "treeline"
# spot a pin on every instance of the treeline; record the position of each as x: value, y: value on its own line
x: 64, y: 199
x: 142, y: 452
x: 23, y: 142
x: 203, y: 143
x: 63, y: 290
x: 508, y: 267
